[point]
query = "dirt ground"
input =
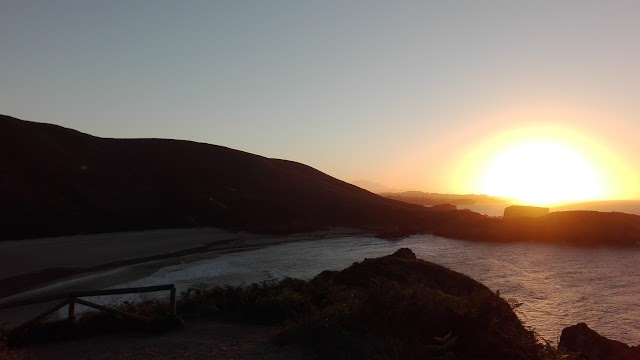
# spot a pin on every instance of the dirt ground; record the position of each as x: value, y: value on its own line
x: 197, y: 340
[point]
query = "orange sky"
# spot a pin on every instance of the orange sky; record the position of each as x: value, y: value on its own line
x: 412, y: 95
x: 604, y: 141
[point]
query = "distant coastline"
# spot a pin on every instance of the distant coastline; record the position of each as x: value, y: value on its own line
x: 624, y: 206
x: 91, y: 185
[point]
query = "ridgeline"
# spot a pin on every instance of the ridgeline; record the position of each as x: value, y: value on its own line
x: 57, y: 181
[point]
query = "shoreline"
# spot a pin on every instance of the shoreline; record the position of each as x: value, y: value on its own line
x: 24, y: 285
x: 487, y: 263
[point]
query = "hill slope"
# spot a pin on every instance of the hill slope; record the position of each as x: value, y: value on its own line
x: 57, y: 181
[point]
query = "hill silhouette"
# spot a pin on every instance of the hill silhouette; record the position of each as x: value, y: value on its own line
x: 58, y: 181
x: 584, y: 228
x: 430, y: 199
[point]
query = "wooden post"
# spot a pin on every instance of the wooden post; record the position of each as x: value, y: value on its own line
x: 44, y: 314
x: 75, y: 298
x: 172, y: 302
x: 113, y: 311
x: 72, y: 309
x: 79, y: 294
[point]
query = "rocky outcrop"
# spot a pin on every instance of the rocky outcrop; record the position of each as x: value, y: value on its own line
x: 590, y: 345
x: 583, y: 228
x: 443, y: 207
x: 401, y: 307
x: 518, y: 211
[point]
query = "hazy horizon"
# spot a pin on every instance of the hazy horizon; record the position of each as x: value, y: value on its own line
x: 371, y: 186
x: 436, y: 97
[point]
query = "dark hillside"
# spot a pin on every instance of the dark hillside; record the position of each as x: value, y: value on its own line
x: 57, y: 181
x: 585, y: 228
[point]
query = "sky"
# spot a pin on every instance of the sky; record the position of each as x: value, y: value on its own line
x: 409, y: 94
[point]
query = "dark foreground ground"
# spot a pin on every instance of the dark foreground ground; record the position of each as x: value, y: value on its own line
x: 392, y: 307
x: 198, y: 340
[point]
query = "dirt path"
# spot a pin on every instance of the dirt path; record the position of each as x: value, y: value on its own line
x: 198, y: 340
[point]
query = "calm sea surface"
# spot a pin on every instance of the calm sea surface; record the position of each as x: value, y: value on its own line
x: 558, y: 285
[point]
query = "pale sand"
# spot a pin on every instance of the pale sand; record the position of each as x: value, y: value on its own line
x: 28, y: 256
x: 31, y: 268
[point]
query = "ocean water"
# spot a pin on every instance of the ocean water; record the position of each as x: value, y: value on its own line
x: 558, y: 286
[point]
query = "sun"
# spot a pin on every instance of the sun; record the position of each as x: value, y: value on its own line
x: 541, y: 172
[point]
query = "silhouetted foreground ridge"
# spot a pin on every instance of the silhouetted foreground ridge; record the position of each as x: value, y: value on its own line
x: 392, y: 307
x: 395, y: 307
x: 400, y: 307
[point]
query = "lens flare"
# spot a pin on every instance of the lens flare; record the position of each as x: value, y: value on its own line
x: 541, y: 172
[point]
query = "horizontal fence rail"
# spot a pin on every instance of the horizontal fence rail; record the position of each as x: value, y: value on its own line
x: 73, y: 298
x: 77, y: 294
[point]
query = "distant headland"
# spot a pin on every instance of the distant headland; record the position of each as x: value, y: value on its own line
x: 58, y: 181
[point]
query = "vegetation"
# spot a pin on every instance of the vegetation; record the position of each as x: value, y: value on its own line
x: 394, y: 307
x: 96, y: 322
x: 10, y: 353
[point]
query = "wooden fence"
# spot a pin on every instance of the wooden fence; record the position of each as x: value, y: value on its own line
x: 73, y: 298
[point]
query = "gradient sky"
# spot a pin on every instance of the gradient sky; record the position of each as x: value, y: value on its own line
x: 398, y: 93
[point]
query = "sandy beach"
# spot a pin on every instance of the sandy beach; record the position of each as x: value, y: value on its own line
x: 49, y: 266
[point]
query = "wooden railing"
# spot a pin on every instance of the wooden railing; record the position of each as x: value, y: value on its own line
x: 73, y: 298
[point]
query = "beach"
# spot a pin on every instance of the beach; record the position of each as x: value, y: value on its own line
x: 48, y: 266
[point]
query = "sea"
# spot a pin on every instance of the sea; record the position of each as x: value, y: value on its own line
x: 557, y: 285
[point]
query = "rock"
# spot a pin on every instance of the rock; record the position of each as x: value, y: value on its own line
x: 584, y: 228
x: 443, y: 207
x: 409, y: 308
x: 404, y: 253
x: 517, y: 211
x: 593, y: 346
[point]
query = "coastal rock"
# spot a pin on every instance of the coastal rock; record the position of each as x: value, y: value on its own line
x: 443, y: 207
x: 584, y: 228
x: 581, y: 339
x: 404, y: 253
x: 415, y: 309
x: 517, y: 211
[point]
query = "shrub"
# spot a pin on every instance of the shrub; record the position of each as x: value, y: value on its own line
x: 394, y: 307
x: 10, y: 353
x: 263, y: 303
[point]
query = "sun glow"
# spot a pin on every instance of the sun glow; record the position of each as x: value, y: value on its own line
x: 542, y: 172
x: 545, y: 164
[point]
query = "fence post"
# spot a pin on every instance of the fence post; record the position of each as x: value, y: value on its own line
x: 172, y: 302
x: 71, y: 299
x: 72, y: 309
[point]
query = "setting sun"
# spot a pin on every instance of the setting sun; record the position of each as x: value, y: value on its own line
x: 541, y: 172
x: 543, y: 163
